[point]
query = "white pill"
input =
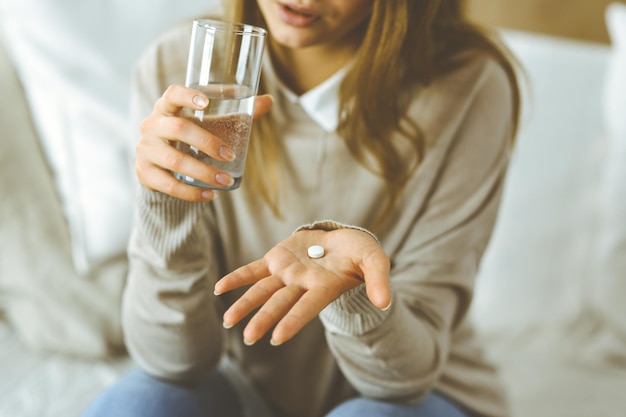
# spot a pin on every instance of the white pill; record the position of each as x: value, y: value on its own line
x: 315, y: 251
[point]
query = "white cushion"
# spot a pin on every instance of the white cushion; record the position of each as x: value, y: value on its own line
x: 74, y: 59
x: 536, y: 268
x: 610, y: 287
x: 615, y: 99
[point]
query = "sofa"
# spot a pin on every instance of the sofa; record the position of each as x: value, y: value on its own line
x: 550, y: 296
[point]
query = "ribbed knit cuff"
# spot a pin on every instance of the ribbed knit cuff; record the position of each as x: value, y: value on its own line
x: 169, y: 223
x: 330, y: 225
x: 148, y: 198
x: 352, y: 314
x: 151, y: 197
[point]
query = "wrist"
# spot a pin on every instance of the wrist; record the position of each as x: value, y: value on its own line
x: 330, y: 225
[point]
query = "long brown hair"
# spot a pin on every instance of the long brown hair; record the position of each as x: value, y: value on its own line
x: 405, y: 41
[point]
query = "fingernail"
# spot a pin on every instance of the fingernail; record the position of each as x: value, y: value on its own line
x: 224, y: 179
x: 215, y: 292
x: 207, y: 195
x: 226, y: 153
x: 226, y: 325
x: 249, y: 342
x: 275, y: 343
x: 388, y: 306
x: 200, y: 101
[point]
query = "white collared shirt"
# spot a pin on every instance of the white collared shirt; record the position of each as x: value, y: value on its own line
x: 321, y: 103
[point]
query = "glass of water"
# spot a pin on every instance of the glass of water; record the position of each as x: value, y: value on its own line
x: 225, y: 64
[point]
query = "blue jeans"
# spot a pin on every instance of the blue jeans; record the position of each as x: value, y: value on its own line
x: 139, y: 395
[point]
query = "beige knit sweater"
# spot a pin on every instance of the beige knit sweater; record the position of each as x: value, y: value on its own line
x: 435, y: 239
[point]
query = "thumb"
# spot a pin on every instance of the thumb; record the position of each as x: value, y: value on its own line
x: 376, y: 277
x: 262, y: 105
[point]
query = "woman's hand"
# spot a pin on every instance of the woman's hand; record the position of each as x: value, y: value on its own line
x: 157, y: 158
x: 292, y: 288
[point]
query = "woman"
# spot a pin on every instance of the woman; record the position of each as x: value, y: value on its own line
x: 387, y: 143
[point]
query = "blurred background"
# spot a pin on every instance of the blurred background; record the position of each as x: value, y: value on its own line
x: 550, y: 298
x: 577, y: 19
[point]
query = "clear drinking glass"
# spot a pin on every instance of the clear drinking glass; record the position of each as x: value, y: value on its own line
x: 225, y: 64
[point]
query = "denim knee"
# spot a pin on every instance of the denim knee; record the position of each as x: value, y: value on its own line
x: 138, y: 394
x: 432, y: 406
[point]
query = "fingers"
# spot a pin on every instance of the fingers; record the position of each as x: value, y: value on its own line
x: 376, y: 276
x: 157, y: 156
x: 157, y: 179
x: 173, y: 119
x: 291, y: 307
x: 173, y: 123
x: 278, y: 305
x: 255, y: 296
x: 262, y: 105
x: 290, y: 289
x: 155, y: 162
x: 245, y: 275
x: 177, y: 97
x: 185, y: 128
x: 302, y: 312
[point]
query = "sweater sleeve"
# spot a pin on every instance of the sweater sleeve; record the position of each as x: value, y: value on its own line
x: 171, y: 319
x: 172, y: 326
x: 398, y: 354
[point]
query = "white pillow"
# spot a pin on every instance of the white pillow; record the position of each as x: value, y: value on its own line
x: 615, y: 100
x: 74, y: 58
x: 537, y: 264
x: 610, y: 288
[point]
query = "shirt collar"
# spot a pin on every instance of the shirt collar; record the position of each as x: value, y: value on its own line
x: 320, y: 103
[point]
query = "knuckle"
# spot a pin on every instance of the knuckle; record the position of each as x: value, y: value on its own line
x: 266, y: 317
x: 140, y: 164
x: 146, y: 124
x: 139, y: 169
x: 174, y: 160
x: 159, y: 104
x: 177, y: 124
x: 206, y: 141
x: 140, y: 146
x: 170, y: 186
x: 169, y: 92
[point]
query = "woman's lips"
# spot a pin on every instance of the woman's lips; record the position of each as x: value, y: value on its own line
x: 296, y: 16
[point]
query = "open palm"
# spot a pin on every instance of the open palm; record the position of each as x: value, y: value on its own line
x: 291, y: 289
